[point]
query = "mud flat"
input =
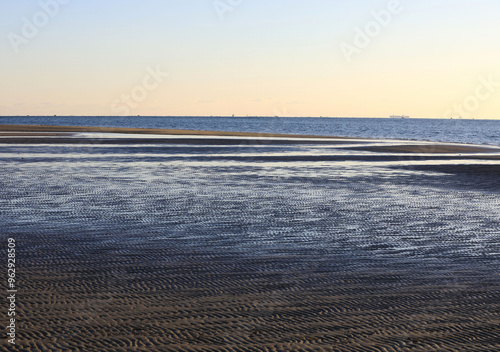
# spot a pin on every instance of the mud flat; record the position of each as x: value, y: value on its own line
x: 144, y: 246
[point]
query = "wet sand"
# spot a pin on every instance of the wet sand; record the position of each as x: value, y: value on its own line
x: 438, y: 148
x: 32, y: 134
x: 176, y: 244
x: 38, y: 128
x: 127, y: 300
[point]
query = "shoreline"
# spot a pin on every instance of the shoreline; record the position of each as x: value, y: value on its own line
x: 390, y: 145
x: 155, y: 131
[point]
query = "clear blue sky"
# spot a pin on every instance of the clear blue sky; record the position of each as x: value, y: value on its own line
x: 275, y: 57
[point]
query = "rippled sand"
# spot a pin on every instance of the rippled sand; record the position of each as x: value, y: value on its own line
x: 185, y: 243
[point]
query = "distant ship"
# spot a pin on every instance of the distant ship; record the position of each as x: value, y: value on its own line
x: 399, y: 117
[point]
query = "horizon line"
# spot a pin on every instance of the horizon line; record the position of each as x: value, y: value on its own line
x: 265, y: 116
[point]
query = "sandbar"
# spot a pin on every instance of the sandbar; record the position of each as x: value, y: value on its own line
x: 155, y: 131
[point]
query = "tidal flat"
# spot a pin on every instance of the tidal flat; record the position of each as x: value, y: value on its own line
x: 182, y: 242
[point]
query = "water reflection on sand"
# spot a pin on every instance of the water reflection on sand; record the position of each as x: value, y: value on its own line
x: 276, y: 237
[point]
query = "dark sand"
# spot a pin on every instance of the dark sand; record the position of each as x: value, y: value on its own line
x: 118, y: 298
x: 32, y: 134
x: 114, y: 257
x: 429, y: 148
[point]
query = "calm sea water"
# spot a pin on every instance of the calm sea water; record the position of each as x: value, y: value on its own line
x: 460, y: 131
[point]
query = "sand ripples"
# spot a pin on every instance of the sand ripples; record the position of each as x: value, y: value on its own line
x: 159, y: 254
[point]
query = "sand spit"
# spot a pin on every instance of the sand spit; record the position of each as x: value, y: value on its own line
x: 38, y: 128
x: 197, y: 141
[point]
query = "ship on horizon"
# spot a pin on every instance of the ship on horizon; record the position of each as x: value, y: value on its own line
x: 399, y: 116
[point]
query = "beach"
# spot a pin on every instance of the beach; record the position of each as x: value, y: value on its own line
x: 183, y: 240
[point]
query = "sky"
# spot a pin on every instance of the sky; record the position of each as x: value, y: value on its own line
x: 359, y: 58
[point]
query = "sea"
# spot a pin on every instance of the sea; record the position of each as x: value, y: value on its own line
x: 485, y: 132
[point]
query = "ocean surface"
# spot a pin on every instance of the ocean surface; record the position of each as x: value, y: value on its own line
x: 436, y: 130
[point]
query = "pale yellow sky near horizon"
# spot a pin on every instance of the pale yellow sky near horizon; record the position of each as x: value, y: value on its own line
x: 368, y: 58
